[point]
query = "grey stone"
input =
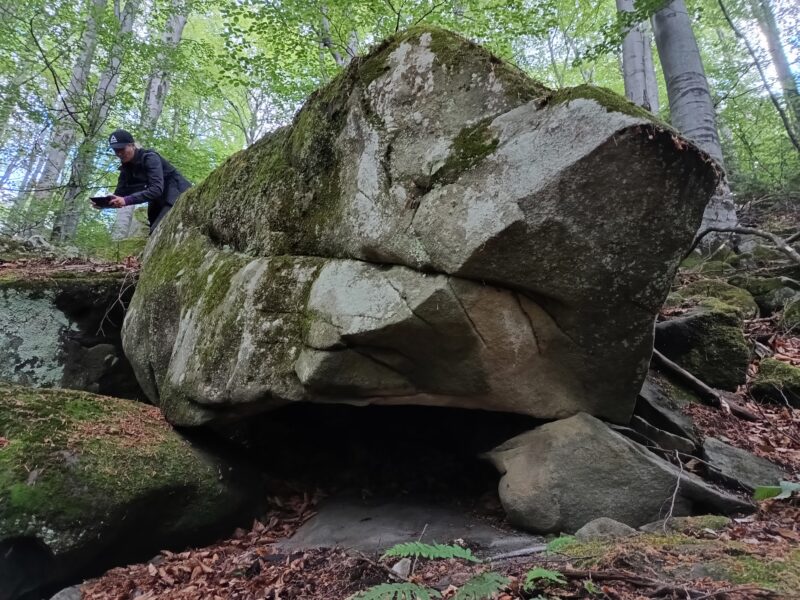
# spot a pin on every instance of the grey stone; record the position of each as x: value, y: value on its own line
x: 564, y: 474
x: 376, y: 525
x: 740, y: 466
x: 659, y: 403
x: 434, y: 228
x: 604, y: 528
x: 70, y: 593
x: 49, y: 333
x: 661, y: 438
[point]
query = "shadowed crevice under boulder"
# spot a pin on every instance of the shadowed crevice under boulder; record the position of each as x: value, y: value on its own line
x: 434, y: 228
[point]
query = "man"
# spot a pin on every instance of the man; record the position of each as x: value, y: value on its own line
x: 144, y: 176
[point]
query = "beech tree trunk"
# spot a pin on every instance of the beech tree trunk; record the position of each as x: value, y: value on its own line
x: 67, y: 116
x: 690, y: 105
x: 83, y: 164
x: 638, y: 71
x: 763, y: 11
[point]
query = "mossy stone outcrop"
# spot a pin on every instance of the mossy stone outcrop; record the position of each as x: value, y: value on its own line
x: 707, y: 341
x: 434, y: 228
x: 62, y: 329
x: 698, y: 292
x: 88, y: 481
x: 777, y: 381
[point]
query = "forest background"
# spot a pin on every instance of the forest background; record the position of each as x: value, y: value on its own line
x: 198, y: 80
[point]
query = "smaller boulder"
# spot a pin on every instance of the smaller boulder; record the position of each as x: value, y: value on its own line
x: 708, y: 342
x: 777, y: 381
x: 560, y: 476
x: 740, y: 467
x: 771, y: 294
x: 603, y: 529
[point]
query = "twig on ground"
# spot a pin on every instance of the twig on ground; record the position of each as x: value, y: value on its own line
x: 538, y: 548
x: 374, y: 563
x: 674, y: 493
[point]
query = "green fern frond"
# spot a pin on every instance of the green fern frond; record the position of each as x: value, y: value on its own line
x: 396, y: 591
x: 482, y: 587
x: 536, y: 574
x: 434, y: 551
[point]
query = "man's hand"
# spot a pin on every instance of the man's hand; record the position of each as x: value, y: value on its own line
x: 116, y: 201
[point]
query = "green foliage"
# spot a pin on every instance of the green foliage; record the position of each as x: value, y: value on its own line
x: 560, y: 543
x: 397, y: 591
x: 482, y: 587
x: 431, y: 551
x: 781, y: 492
x: 537, y: 575
x: 591, y: 587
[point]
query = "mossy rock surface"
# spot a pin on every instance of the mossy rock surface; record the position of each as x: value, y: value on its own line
x: 777, y: 381
x: 698, y: 292
x: 426, y: 158
x: 91, y: 478
x: 791, y: 317
x: 708, y: 341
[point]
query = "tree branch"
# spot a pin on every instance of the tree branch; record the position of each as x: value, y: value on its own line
x: 780, y: 244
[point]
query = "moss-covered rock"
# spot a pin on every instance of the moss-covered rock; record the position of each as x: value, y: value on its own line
x: 772, y: 294
x: 62, y: 329
x: 697, y: 292
x: 777, y: 381
x: 791, y: 316
x: 429, y: 156
x: 93, y: 480
x: 709, y: 343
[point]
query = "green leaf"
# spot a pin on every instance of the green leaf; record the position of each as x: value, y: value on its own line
x: 781, y: 492
x: 482, y: 587
x: 591, y: 587
x: 432, y: 551
x: 537, y: 574
x: 396, y: 591
x: 560, y: 543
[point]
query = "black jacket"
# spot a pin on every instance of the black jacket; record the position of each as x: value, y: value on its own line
x: 150, y: 178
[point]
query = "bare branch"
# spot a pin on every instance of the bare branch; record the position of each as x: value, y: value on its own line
x: 780, y: 244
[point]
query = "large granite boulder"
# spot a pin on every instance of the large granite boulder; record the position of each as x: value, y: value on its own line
x: 88, y: 482
x: 61, y: 328
x: 434, y: 228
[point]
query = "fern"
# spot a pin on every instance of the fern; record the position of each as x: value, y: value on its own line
x: 535, y: 575
x: 482, y: 587
x: 436, y: 551
x: 561, y: 543
x: 396, y: 591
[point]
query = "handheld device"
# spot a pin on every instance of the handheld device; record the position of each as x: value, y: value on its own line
x: 101, y: 201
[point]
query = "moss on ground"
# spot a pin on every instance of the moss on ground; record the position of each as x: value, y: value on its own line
x: 702, y: 290
x: 777, y: 381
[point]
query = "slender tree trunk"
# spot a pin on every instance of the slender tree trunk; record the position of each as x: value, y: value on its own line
x: 690, y: 105
x: 83, y: 165
x: 158, y: 84
x: 765, y: 14
x: 68, y: 111
x: 637, y: 63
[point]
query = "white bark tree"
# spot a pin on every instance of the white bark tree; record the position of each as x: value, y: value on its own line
x: 83, y: 165
x: 71, y: 107
x: 690, y: 104
x: 638, y: 71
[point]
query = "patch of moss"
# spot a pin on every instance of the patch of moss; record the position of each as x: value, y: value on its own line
x: 781, y: 574
x: 74, y: 459
x: 791, y: 316
x: 611, y: 101
x: 777, y: 381
x: 700, y: 291
x: 470, y: 146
